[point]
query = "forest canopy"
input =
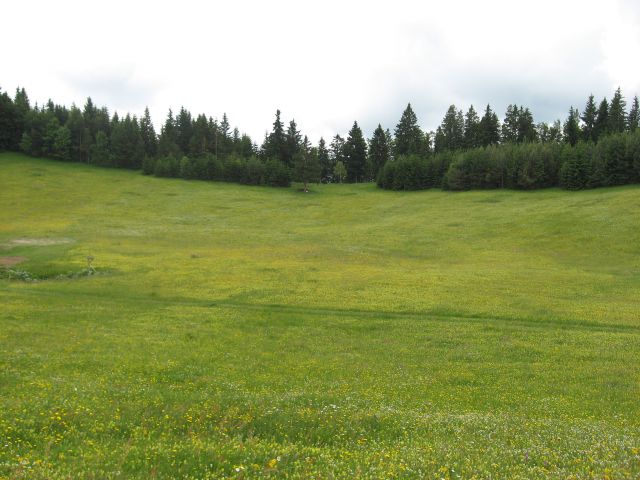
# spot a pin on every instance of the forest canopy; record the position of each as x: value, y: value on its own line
x: 598, y: 146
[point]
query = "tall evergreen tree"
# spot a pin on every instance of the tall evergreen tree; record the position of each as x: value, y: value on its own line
x: 148, y: 133
x: 510, y: 125
x: 355, y: 154
x: 633, y: 119
x: 526, y: 126
x: 167, y: 142
x: 10, y: 129
x: 571, y: 128
x: 75, y: 124
x: 90, y: 117
x: 184, y: 130
x: 379, y: 151
x: 293, y: 143
x: 471, y: 129
x: 589, y: 120
x: 306, y: 164
x: 450, y: 134
x: 337, y: 150
x: 601, y: 126
x: 409, y: 138
x: 326, y: 168
x: 22, y: 109
x: 127, y: 145
x: 225, y: 142
x: 489, y: 128
x: 617, y: 113
x: 274, y: 145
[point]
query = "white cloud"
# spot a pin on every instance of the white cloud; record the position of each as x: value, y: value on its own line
x: 325, y: 63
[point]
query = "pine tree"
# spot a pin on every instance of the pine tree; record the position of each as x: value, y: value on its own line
x: 617, y: 113
x: 167, y: 142
x: 355, y: 154
x: 633, y: 119
x: 306, y: 164
x: 589, y: 120
x: 184, y: 130
x: 90, y: 116
x: 337, y: 150
x: 127, y: 145
x: 510, y: 125
x: 601, y: 126
x: 10, y: 130
x: 450, y: 134
x: 409, y: 138
x: 198, y: 145
x: 471, y: 129
x: 571, y: 127
x: 326, y: 168
x: 75, y: 124
x: 293, y: 143
x: 379, y: 151
x: 526, y: 126
x: 489, y: 128
x: 22, y: 108
x: 148, y: 133
x: 275, y: 144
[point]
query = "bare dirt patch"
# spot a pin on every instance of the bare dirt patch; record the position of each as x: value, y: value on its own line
x: 11, y: 261
x: 41, y: 242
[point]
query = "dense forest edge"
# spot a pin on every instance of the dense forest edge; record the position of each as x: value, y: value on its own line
x: 597, y: 147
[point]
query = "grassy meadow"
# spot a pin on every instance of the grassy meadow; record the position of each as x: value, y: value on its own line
x: 249, y: 332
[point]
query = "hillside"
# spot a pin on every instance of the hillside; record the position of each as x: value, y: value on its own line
x: 250, y: 331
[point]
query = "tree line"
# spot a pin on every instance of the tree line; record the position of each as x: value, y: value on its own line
x: 467, y: 150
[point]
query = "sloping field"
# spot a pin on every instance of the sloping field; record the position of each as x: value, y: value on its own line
x: 346, y: 333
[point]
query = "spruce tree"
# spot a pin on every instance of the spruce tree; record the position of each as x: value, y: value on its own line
x: 337, y: 150
x: 601, y: 126
x: 617, y: 113
x: 127, y: 145
x: 378, y: 151
x: 355, y: 154
x: 90, y: 116
x: 326, y: 168
x: 510, y: 125
x: 274, y: 144
x: 10, y: 130
x: 293, y: 143
x: 75, y: 124
x: 526, y: 126
x: 451, y: 131
x: 306, y: 164
x: 148, y: 133
x: 571, y: 128
x: 633, y: 119
x: 489, y: 128
x: 409, y: 138
x: 167, y: 142
x: 471, y: 129
x: 589, y: 120
x: 184, y: 130
x: 198, y: 145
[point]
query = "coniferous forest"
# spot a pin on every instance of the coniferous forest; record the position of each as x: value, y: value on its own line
x: 598, y: 146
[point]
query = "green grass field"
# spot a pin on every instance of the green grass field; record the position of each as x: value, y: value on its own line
x: 244, y: 332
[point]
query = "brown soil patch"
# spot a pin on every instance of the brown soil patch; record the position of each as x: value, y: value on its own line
x: 11, y: 261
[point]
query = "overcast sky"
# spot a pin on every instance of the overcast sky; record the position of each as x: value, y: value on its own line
x: 325, y: 63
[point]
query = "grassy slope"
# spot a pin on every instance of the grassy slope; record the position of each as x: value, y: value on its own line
x: 251, y: 331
